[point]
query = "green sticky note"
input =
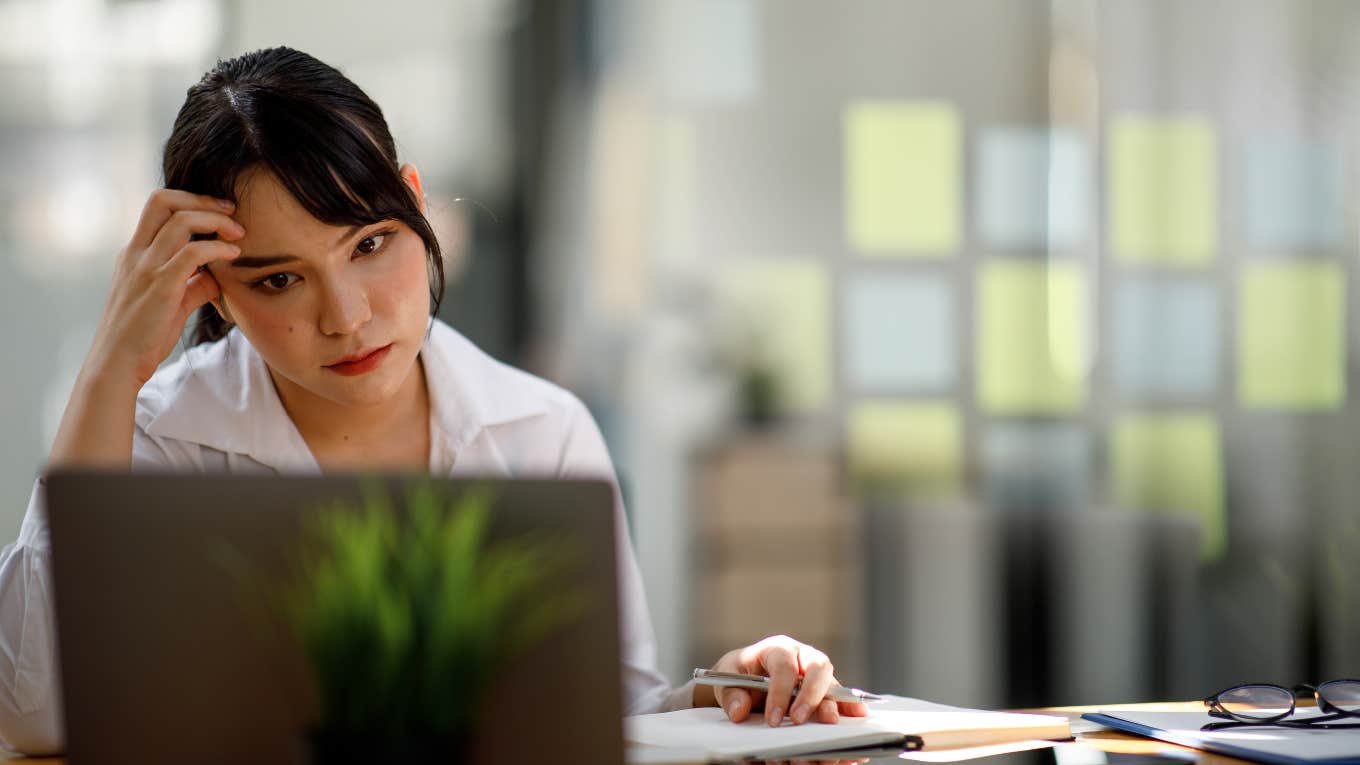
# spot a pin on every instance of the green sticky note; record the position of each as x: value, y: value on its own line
x: 1163, y: 190
x: 776, y: 315
x: 1172, y: 463
x: 905, y: 448
x: 1033, y: 351
x: 903, y: 170
x: 1291, y: 351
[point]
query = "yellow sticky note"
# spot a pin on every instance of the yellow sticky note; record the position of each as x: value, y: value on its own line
x: 1291, y: 351
x: 1172, y: 463
x: 903, y: 171
x: 777, y: 318
x: 1033, y: 325
x: 908, y: 448
x: 1163, y: 190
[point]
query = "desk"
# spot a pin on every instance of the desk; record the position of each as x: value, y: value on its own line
x: 1127, y: 743
x: 1105, y: 740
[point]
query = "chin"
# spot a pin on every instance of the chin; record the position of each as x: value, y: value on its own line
x: 369, y: 390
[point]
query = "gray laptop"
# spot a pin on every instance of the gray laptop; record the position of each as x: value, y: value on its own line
x: 165, y: 658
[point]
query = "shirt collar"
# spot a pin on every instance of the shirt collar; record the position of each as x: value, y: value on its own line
x: 221, y: 395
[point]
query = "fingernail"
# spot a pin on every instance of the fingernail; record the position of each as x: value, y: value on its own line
x: 732, y: 707
x: 800, y: 713
x: 775, y: 716
x: 226, y: 204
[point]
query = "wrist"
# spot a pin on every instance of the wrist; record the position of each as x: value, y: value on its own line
x: 113, y: 370
x: 108, y: 380
x: 96, y: 427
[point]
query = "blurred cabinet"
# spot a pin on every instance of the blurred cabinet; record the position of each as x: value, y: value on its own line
x: 938, y: 621
x: 778, y: 548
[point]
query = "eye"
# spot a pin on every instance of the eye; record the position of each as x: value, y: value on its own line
x: 373, y: 243
x: 275, y: 282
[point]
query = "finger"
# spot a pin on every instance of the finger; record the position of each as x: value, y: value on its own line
x: 782, y: 667
x: 176, y: 232
x: 826, y: 712
x: 198, y: 290
x: 854, y: 709
x: 166, y: 202
x: 736, y: 702
x: 196, y: 255
x: 817, y: 680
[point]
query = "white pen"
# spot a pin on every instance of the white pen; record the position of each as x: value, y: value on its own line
x: 762, y: 683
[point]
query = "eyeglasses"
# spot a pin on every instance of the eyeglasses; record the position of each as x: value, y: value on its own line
x: 1265, y: 704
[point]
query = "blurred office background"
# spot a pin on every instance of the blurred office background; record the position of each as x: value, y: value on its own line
x: 1000, y: 347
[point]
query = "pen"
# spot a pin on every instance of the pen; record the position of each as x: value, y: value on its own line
x: 762, y: 683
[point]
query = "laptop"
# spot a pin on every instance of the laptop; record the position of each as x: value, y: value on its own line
x: 165, y: 656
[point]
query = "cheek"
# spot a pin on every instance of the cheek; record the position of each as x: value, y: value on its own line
x: 273, y: 331
x: 268, y: 323
x: 407, y: 284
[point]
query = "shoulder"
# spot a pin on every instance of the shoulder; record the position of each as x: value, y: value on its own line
x: 190, y: 374
x: 215, y: 396
x: 496, y: 392
x: 532, y: 423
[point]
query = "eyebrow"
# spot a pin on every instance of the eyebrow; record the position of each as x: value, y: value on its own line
x: 260, y: 261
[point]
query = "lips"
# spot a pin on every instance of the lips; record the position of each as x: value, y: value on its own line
x: 360, y: 356
x: 367, y: 362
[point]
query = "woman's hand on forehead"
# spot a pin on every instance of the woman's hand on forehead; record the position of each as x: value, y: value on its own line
x: 160, y: 278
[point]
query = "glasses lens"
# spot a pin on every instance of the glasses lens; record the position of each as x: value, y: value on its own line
x: 1342, y: 694
x: 1256, y: 702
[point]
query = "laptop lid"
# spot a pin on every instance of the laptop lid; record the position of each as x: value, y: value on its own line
x: 166, y: 657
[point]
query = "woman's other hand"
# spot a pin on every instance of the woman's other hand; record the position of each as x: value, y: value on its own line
x: 787, y: 663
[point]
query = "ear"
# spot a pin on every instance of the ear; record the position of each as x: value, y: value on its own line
x: 220, y: 304
x: 412, y: 178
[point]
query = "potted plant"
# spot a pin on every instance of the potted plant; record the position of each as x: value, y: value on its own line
x: 405, y: 621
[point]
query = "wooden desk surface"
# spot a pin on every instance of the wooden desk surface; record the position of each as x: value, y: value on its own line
x: 1128, y: 743
x: 1104, y: 740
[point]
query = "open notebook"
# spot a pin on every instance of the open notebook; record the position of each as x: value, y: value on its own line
x: 912, y: 723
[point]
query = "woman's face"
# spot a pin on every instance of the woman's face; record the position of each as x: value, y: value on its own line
x: 309, y: 295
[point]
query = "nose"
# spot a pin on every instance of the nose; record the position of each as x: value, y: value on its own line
x: 344, y: 307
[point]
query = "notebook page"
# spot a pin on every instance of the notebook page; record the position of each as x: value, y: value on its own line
x: 709, y: 729
x: 937, y: 724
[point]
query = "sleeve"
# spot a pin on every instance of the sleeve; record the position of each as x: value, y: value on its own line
x: 30, y: 680
x: 645, y: 690
x: 30, y: 693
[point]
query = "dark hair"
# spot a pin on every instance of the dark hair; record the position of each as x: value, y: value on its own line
x: 324, y: 139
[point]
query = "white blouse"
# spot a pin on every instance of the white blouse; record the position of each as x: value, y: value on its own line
x: 215, y: 409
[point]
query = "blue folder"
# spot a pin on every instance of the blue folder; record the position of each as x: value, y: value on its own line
x: 1272, y: 745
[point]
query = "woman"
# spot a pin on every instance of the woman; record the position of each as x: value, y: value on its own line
x: 288, y: 225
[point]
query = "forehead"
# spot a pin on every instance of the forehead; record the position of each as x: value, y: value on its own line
x: 272, y: 215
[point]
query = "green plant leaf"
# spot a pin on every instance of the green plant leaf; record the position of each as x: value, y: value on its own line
x: 406, y: 620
